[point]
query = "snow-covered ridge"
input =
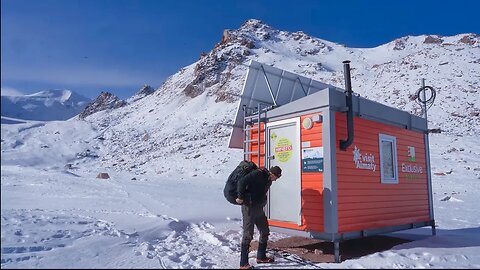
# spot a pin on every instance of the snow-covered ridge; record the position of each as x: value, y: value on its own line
x: 45, y: 105
x: 188, y: 117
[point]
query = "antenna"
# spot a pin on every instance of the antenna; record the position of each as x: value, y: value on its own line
x: 421, y: 98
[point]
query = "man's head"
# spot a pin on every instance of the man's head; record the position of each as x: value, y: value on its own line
x: 275, y: 173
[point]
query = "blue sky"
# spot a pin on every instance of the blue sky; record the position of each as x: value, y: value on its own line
x: 90, y: 46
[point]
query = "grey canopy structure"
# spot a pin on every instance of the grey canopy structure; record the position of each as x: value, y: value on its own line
x: 269, y: 86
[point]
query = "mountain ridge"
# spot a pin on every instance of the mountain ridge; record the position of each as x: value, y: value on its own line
x: 190, y: 115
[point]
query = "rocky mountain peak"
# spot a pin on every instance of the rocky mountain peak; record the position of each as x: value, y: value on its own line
x: 104, y: 101
x: 252, y: 24
x: 215, y: 67
x: 143, y: 92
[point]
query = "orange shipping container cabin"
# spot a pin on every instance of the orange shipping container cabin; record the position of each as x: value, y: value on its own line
x: 352, y: 167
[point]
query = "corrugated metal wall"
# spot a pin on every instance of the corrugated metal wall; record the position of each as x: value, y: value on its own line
x: 363, y: 201
x: 312, y: 183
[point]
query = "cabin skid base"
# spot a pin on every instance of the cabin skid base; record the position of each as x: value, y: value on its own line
x: 336, y: 238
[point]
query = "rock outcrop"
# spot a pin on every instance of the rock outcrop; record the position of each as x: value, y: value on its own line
x: 103, y: 102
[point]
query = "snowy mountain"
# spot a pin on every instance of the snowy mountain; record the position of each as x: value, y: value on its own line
x: 44, y: 106
x: 188, y: 117
x: 167, y: 159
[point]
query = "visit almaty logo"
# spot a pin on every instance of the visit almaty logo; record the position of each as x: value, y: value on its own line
x: 364, y: 161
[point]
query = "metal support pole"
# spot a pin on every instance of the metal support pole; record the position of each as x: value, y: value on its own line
x: 245, y: 137
x: 424, y: 94
x: 336, y: 248
x: 259, y: 130
x: 427, y: 159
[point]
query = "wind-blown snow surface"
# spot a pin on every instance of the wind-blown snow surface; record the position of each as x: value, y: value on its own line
x: 43, y: 106
x: 57, y: 214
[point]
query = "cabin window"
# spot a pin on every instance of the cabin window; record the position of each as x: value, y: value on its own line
x: 388, y: 159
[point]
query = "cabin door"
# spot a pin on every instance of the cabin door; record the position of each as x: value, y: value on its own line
x: 284, y: 198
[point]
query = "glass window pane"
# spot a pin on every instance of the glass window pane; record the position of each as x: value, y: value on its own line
x: 387, y: 160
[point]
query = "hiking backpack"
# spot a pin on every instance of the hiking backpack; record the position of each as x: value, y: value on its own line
x: 230, y: 191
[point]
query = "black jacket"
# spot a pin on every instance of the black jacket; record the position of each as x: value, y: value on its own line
x: 255, y: 186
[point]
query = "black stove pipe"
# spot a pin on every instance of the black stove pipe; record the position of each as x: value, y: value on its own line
x: 344, y: 144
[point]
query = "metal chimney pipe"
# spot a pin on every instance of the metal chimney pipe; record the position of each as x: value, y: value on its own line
x: 344, y: 144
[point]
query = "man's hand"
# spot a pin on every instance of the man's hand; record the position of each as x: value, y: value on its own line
x: 239, y: 201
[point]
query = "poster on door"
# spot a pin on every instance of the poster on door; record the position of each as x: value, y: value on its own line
x: 283, y: 150
x: 312, y: 159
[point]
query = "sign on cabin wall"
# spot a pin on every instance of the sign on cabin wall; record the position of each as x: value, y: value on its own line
x: 312, y: 159
x: 411, y: 168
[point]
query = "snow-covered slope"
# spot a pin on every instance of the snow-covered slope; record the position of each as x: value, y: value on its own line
x: 44, y: 106
x: 188, y: 117
x: 56, y: 214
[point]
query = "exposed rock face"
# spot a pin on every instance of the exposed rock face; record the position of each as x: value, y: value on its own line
x: 143, y: 92
x: 227, y: 37
x: 470, y: 39
x: 213, y: 70
x: 103, y: 176
x: 433, y: 40
x: 103, y: 102
x: 146, y: 90
x: 400, y: 43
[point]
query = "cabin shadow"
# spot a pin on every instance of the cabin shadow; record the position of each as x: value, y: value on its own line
x: 320, y: 251
x: 454, y: 238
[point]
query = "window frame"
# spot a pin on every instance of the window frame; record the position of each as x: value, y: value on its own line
x: 388, y: 138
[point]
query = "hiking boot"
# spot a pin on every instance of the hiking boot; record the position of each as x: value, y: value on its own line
x: 262, y: 254
x: 246, y: 266
x: 266, y: 260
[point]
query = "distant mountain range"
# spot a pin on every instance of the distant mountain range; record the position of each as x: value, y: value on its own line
x: 44, y: 106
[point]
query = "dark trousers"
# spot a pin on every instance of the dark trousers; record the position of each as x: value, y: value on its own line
x: 253, y: 215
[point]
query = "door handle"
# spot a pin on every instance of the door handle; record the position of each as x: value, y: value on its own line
x: 271, y: 157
